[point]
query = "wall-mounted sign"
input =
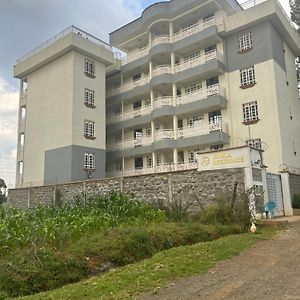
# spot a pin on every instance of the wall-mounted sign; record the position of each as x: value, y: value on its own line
x: 224, y: 159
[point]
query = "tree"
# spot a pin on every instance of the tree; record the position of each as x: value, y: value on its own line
x: 2, y: 191
x: 295, y: 12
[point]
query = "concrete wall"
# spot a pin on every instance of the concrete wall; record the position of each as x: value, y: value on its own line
x: 194, y: 188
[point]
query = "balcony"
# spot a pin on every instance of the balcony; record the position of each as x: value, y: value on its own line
x: 22, y: 124
x: 23, y: 97
x: 128, y: 115
x: 201, y: 94
x: 197, y: 61
x: 164, y: 134
x: 20, y: 153
x: 202, y: 129
x: 163, y: 101
x: 129, y: 85
x: 163, y: 168
x: 130, y: 143
x: 161, y: 39
x: 160, y: 70
x: 135, y: 55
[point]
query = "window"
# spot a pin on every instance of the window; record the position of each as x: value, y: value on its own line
x: 247, y: 77
x: 195, y: 121
x: 215, y: 117
x: 245, y: 42
x: 158, y: 160
x: 89, y: 161
x: 89, y: 129
x: 149, y: 161
x: 89, y: 97
x: 192, y: 155
x: 192, y: 88
x: 89, y: 68
x: 148, y: 132
x: 138, y: 163
x: 254, y: 143
x: 216, y: 147
x: 250, y: 112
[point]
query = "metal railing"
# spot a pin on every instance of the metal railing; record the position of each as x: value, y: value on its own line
x: 71, y: 29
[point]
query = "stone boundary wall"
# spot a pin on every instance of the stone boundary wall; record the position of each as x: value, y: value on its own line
x: 193, y: 188
x: 294, y: 184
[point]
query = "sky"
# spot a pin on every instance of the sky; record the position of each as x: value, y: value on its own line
x: 24, y: 24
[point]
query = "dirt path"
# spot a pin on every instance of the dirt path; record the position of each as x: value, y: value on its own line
x: 270, y: 270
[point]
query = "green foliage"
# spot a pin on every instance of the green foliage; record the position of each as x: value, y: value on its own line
x: 296, y: 201
x: 295, y: 11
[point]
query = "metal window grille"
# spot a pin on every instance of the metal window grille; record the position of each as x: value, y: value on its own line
x: 149, y: 161
x: 89, y: 128
x: 89, y: 161
x: 195, y: 121
x: 254, y: 143
x: 89, y: 97
x: 247, y: 76
x: 250, y: 111
x: 89, y: 66
x: 192, y: 88
x: 245, y: 41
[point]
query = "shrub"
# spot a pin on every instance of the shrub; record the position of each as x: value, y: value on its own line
x: 296, y: 201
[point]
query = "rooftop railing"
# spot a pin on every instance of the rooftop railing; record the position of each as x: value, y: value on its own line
x: 71, y: 29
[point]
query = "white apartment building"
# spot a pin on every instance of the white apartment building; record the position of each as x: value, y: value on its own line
x: 198, y: 75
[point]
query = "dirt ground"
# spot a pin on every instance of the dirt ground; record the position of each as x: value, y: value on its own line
x: 270, y: 270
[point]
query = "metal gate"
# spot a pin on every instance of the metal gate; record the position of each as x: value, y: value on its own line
x: 275, y: 192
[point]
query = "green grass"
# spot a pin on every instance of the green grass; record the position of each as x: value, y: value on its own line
x: 150, y: 274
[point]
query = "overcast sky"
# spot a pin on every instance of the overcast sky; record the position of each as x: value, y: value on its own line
x: 24, y: 24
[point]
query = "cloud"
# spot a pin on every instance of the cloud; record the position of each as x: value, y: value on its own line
x: 9, y: 99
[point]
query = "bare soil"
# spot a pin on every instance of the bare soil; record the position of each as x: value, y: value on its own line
x: 270, y: 270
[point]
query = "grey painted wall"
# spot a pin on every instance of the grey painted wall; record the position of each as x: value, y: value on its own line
x: 66, y: 164
x: 267, y: 44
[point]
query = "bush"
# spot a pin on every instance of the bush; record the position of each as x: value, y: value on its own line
x: 296, y: 201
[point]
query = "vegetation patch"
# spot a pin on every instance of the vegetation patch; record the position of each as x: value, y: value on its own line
x: 151, y: 274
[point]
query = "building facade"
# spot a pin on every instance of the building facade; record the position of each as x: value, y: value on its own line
x: 198, y: 75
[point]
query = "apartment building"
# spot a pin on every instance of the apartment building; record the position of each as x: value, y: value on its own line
x: 198, y: 75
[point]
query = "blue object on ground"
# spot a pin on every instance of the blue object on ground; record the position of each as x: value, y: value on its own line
x: 270, y: 207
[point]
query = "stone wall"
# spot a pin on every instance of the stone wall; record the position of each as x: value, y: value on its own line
x: 192, y: 188
x: 294, y: 184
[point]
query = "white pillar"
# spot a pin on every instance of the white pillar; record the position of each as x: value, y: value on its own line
x: 152, y: 99
x: 286, y: 193
x: 174, y: 94
x: 175, y: 158
x: 153, y: 131
x: 171, y: 31
x: 150, y: 70
x: 150, y: 39
x: 173, y: 62
x: 175, y: 126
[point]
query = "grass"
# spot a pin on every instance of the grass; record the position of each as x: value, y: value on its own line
x: 151, y: 274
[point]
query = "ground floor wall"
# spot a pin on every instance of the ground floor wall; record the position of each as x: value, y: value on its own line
x: 191, y: 188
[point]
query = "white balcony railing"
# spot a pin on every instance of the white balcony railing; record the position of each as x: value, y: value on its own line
x: 201, y: 94
x: 130, y: 143
x: 163, y: 101
x: 164, y: 134
x: 190, y: 30
x: 201, y: 129
x: 160, y: 39
x: 163, y: 69
x: 129, y: 85
x: 132, y: 56
x: 167, y: 167
x: 134, y: 113
x: 200, y: 60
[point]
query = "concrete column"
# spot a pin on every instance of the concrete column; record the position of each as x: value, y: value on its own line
x: 152, y: 99
x: 153, y: 131
x: 175, y: 126
x: 123, y: 164
x: 286, y: 193
x: 174, y: 92
x: 175, y: 158
x: 150, y: 39
x: 154, y: 161
x: 28, y: 197
x: 173, y: 62
x: 171, y: 31
x: 150, y: 69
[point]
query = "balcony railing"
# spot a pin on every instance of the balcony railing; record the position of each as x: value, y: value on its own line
x: 134, y: 113
x: 201, y: 129
x: 132, y: 56
x: 163, y: 69
x: 190, y: 30
x: 201, y: 94
x: 129, y: 85
x: 160, y: 39
x: 163, y: 101
x: 164, y: 134
x: 197, y: 61
x: 130, y: 143
x: 71, y: 29
x: 167, y: 167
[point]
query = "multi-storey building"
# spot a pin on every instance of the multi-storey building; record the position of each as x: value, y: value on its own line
x: 199, y: 75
